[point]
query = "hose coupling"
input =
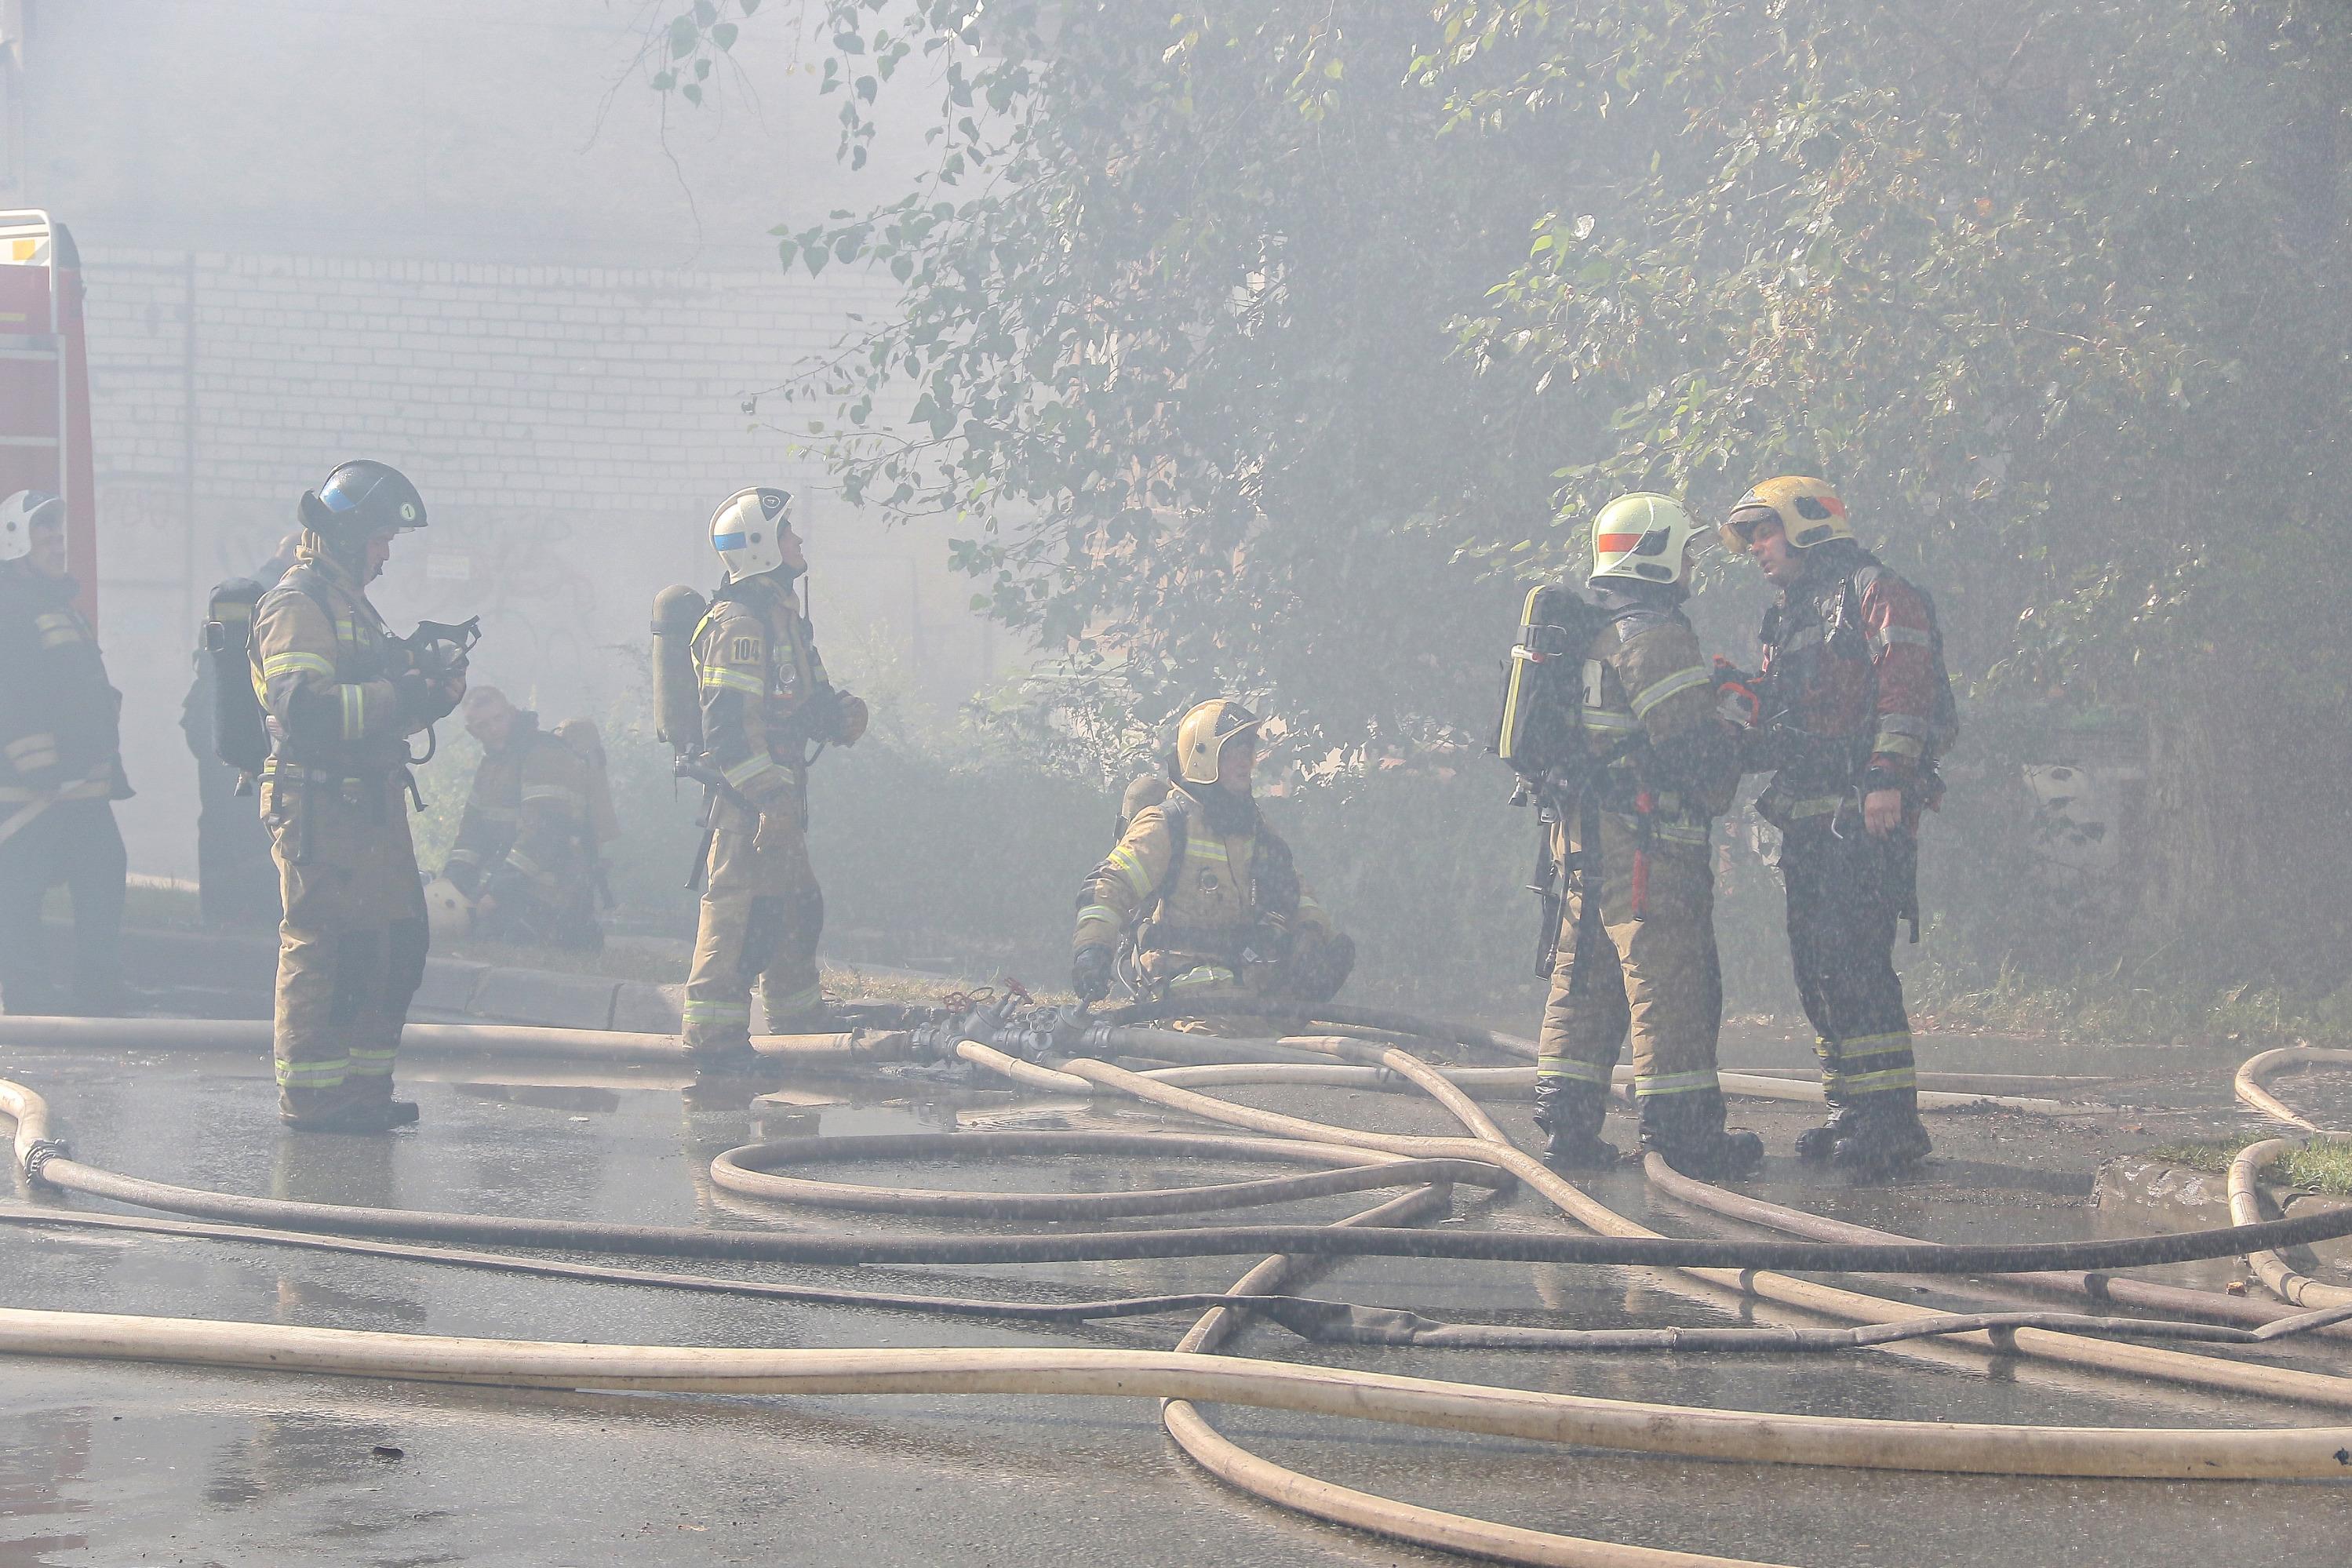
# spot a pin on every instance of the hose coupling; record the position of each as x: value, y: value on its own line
x: 37, y: 1156
x: 936, y: 1041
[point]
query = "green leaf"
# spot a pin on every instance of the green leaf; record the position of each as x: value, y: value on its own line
x: 723, y: 34
x: 684, y: 37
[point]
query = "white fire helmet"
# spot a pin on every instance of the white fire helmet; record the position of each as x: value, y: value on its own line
x: 1643, y: 537
x: 17, y: 513
x: 744, y: 530
x: 448, y: 913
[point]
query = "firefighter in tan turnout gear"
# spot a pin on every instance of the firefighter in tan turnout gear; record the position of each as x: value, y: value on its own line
x: 1205, y: 889
x: 1641, y: 763
x: 340, y: 696
x: 765, y: 700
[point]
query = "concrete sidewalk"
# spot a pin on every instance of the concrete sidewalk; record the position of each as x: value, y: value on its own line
x: 230, y: 975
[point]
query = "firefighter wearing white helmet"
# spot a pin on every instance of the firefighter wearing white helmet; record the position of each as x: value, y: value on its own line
x: 1204, y: 891
x: 767, y: 706
x: 60, y: 773
x: 1636, y: 949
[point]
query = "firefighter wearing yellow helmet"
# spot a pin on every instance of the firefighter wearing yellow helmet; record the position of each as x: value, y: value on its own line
x: 1636, y: 949
x: 1204, y: 890
x: 1862, y: 710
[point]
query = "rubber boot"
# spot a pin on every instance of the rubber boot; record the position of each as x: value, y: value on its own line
x: 380, y: 1111
x: 361, y: 1118
x: 1885, y: 1135
x: 1687, y: 1132
x: 740, y: 1070
x: 1815, y: 1143
x: 1568, y: 1114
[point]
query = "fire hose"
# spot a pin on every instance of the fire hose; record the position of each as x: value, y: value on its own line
x: 1458, y: 1406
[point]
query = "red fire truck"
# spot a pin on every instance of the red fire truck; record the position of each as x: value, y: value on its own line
x: 44, y: 382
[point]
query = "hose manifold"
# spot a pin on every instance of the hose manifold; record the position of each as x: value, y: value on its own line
x: 37, y: 1156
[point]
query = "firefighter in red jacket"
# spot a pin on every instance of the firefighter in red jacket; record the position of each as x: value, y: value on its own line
x: 1856, y: 711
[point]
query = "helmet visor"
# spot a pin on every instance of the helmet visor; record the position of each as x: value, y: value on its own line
x: 1739, y: 531
x: 348, y: 497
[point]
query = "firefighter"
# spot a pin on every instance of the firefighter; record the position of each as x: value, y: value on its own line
x: 1858, y: 708
x: 1641, y: 956
x: 60, y: 773
x: 526, y: 847
x: 342, y: 695
x: 1204, y: 890
x: 765, y: 701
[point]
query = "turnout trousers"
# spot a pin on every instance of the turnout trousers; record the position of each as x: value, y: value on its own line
x: 1841, y: 914
x: 75, y: 844
x: 763, y: 913
x: 1655, y: 975
x: 350, y: 949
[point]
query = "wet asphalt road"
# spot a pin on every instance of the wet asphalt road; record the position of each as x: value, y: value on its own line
x: 110, y: 1464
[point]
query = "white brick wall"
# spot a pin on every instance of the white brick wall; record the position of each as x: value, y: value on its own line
x: 571, y: 427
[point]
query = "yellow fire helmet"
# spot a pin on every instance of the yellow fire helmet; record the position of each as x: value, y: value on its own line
x: 1643, y: 537
x: 1200, y: 739
x: 1809, y: 513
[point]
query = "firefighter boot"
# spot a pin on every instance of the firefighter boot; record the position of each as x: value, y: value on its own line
x: 1885, y: 1135
x: 1686, y: 1131
x: 1817, y: 1143
x: 1569, y: 1115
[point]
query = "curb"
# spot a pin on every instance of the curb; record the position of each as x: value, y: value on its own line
x: 243, y: 966
x: 2176, y: 1197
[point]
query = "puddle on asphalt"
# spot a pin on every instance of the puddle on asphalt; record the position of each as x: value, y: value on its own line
x: 45, y: 1463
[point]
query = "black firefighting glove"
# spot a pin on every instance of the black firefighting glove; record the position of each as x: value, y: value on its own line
x: 426, y: 699
x: 1090, y: 973
x: 1267, y: 942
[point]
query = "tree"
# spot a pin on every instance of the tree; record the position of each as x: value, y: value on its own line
x: 1255, y: 342
x: 2060, y: 291
x: 1176, y: 346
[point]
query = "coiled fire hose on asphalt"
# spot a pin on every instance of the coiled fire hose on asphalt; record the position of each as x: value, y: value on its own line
x: 1992, y: 1449
x: 2277, y: 1275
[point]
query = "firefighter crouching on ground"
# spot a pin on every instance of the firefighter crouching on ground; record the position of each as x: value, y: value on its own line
x: 765, y: 699
x: 526, y: 849
x: 60, y: 772
x: 1205, y: 889
x: 342, y: 695
x: 1856, y: 709
x: 1636, y: 940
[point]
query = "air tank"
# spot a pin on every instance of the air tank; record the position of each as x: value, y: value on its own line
x: 678, y: 704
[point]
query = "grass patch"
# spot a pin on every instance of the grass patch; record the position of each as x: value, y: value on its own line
x: 2121, y: 1005
x: 2323, y: 1167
